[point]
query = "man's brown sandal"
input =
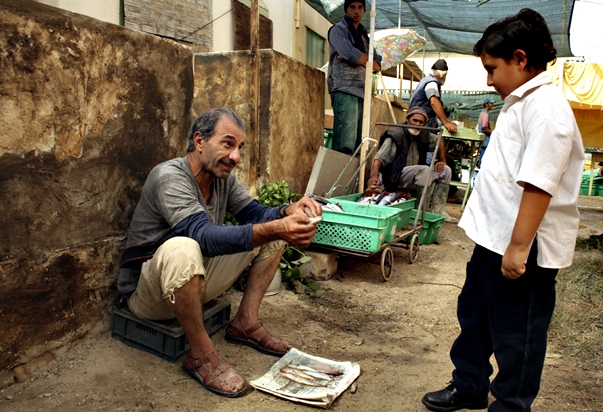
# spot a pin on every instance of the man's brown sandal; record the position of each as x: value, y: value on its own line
x: 267, y: 344
x: 215, y: 375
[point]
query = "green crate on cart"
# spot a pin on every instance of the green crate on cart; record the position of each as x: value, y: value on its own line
x: 431, y: 226
x: 361, y: 227
x: 367, y: 215
x: 405, y: 208
x: 349, y: 236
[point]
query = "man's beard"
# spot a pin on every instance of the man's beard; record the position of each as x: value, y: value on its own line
x: 414, y: 132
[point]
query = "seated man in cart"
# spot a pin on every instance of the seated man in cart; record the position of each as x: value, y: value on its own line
x: 402, y: 162
x: 179, y: 254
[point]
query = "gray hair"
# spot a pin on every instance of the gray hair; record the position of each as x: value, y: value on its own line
x: 206, y: 122
x: 441, y: 74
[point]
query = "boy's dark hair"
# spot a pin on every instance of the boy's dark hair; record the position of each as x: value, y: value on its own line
x: 527, y: 31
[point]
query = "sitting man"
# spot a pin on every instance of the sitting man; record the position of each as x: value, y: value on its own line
x: 179, y: 255
x: 402, y: 157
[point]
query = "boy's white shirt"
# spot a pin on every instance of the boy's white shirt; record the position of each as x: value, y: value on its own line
x: 536, y: 141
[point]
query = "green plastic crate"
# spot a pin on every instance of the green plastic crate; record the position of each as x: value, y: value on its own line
x: 404, y: 207
x: 597, y: 185
x: 372, y: 215
x: 431, y: 226
x: 353, y: 237
x: 361, y: 227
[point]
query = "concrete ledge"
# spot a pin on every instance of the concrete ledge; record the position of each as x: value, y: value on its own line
x: 323, y: 266
x: 590, y: 203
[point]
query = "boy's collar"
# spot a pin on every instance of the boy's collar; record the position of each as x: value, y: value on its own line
x: 543, y: 78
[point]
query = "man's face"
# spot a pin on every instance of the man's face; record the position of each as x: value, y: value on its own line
x: 443, y: 79
x: 222, y: 152
x: 416, y: 120
x: 355, y: 11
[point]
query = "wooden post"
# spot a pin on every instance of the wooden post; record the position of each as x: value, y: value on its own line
x: 389, y: 104
x: 254, y: 95
x: 368, y: 81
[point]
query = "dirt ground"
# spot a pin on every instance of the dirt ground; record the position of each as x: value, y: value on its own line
x: 399, y: 332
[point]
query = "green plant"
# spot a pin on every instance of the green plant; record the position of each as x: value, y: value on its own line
x: 276, y: 194
x: 290, y: 262
x: 229, y: 220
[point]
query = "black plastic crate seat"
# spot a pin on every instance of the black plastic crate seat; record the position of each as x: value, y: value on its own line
x: 165, y: 339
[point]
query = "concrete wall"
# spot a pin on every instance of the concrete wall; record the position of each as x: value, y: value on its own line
x: 291, y: 110
x: 288, y: 39
x: 106, y: 10
x: 88, y: 108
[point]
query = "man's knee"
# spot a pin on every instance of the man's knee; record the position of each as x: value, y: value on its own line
x: 445, y: 175
x: 176, y: 262
x: 269, y: 249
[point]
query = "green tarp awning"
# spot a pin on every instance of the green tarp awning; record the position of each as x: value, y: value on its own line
x: 456, y: 25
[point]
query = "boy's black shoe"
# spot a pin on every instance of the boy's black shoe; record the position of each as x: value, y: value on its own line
x: 449, y: 399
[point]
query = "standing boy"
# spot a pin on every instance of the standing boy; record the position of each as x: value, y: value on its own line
x: 523, y: 217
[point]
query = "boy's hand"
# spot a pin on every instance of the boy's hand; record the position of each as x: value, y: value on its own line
x: 533, y: 206
x: 513, y: 265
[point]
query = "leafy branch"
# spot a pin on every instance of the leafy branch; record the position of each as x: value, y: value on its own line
x: 276, y: 194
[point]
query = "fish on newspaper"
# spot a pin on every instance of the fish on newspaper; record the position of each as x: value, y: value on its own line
x: 297, y: 378
x: 313, y: 373
x: 326, y: 369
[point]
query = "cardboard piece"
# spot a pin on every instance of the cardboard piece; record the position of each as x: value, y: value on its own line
x: 327, y: 167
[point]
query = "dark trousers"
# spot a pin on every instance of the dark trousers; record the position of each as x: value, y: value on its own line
x: 347, y: 122
x: 509, y: 318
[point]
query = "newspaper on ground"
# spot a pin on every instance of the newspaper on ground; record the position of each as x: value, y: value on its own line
x: 304, y: 378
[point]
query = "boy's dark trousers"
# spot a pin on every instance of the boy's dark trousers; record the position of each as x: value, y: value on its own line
x: 509, y: 318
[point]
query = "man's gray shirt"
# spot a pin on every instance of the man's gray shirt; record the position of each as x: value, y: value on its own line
x: 169, y: 195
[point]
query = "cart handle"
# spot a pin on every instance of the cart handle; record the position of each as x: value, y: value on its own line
x: 345, y: 187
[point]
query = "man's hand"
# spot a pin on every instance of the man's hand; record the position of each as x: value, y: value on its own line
x: 450, y: 126
x: 305, y: 202
x: 297, y: 230
x: 373, y: 181
x: 439, y: 166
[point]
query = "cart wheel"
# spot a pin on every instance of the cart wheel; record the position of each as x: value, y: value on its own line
x: 387, y: 262
x: 413, y: 248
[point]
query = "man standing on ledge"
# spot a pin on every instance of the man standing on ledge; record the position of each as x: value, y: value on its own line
x: 348, y: 55
x: 428, y: 96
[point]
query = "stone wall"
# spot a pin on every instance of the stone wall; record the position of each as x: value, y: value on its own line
x: 291, y: 110
x: 88, y: 108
